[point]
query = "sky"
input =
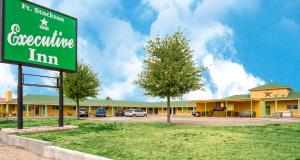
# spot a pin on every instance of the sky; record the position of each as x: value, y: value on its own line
x: 243, y: 43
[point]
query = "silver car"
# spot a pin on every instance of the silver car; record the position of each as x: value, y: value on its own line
x: 135, y: 113
x: 83, y: 112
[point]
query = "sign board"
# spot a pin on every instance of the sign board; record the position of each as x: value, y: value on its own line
x: 33, y: 35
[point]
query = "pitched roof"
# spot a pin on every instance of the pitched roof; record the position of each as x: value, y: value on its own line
x: 269, y: 86
x: 239, y: 96
x: 294, y: 95
x: 53, y: 100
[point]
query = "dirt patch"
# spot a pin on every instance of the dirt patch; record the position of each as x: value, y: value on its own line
x: 38, y: 129
x: 204, y: 121
x: 14, y: 153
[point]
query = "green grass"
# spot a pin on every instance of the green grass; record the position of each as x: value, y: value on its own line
x: 162, y: 141
x: 36, y: 122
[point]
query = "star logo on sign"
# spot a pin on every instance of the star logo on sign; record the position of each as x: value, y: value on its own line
x: 268, y: 94
x: 44, y: 22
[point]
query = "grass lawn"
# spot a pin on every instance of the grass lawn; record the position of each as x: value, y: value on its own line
x: 162, y: 141
x: 34, y: 122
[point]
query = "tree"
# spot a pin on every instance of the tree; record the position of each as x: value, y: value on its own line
x: 169, y: 70
x: 108, y: 99
x: 81, y: 85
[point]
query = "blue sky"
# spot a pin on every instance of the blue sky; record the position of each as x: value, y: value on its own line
x: 243, y: 43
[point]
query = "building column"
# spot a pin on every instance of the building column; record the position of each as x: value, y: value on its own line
x: 226, y: 108
x: 147, y: 110
x: 27, y: 110
x: 153, y: 111
x: 276, y: 106
x: 41, y: 113
x: 172, y: 111
x: 1, y: 108
x: 299, y: 107
x: 181, y: 110
x: 262, y: 109
x: 46, y: 110
x: 89, y: 110
x: 162, y: 110
x: 76, y: 111
x: 251, y: 108
x: 205, y: 109
x: 6, y: 110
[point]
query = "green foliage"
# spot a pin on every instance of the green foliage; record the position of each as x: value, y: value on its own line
x: 169, y: 69
x: 81, y: 85
x: 161, y: 141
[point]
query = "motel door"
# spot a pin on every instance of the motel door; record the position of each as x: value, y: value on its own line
x: 268, y: 110
x: 37, y: 110
x: 155, y: 111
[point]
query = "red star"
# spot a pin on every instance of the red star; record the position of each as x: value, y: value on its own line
x: 268, y: 94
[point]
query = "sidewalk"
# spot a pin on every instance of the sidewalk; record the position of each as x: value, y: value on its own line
x: 14, y: 153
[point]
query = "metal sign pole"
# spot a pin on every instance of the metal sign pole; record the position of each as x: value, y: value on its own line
x: 61, y: 100
x: 20, y: 97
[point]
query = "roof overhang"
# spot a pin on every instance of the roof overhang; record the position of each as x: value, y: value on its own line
x: 263, y: 89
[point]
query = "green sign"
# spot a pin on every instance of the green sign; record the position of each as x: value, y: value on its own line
x: 36, y: 36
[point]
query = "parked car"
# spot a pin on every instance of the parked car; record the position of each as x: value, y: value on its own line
x: 276, y: 114
x: 196, y: 114
x: 287, y: 114
x: 83, y: 112
x: 135, y: 113
x: 120, y: 113
x: 101, y: 112
x: 247, y: 113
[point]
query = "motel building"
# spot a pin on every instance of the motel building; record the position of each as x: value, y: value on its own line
x: 270, y: 100
x: 42, y: 105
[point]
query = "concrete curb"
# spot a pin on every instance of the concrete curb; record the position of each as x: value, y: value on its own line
x: 65, y: 154
x: 43, y: 148
x: 36, y: 146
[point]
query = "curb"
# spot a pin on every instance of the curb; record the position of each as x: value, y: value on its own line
x: 43, y: 148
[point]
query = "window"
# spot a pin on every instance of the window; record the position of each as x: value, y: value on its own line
x: 55, y: 107
x: 72, y: 108
x: 292, y: 107
x: 191, y: 108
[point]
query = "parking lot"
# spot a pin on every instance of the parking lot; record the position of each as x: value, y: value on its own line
x: 223, y: 121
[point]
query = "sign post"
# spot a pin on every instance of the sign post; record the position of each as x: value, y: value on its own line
x: 36, y: 36
x: 20, y: 97
x: 61, y: 99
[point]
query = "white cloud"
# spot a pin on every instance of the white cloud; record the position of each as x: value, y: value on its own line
x: 200, y: 94
x: 8, y: 80
x: 211, y: 40
x: 114, y: 51
x: 229, y: 77
x: 112, y: 48
x: 113, y: 63
x: 289, y: 24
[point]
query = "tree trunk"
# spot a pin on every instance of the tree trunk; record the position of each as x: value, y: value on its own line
x: 168, y: 110
x: 77, y: 108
